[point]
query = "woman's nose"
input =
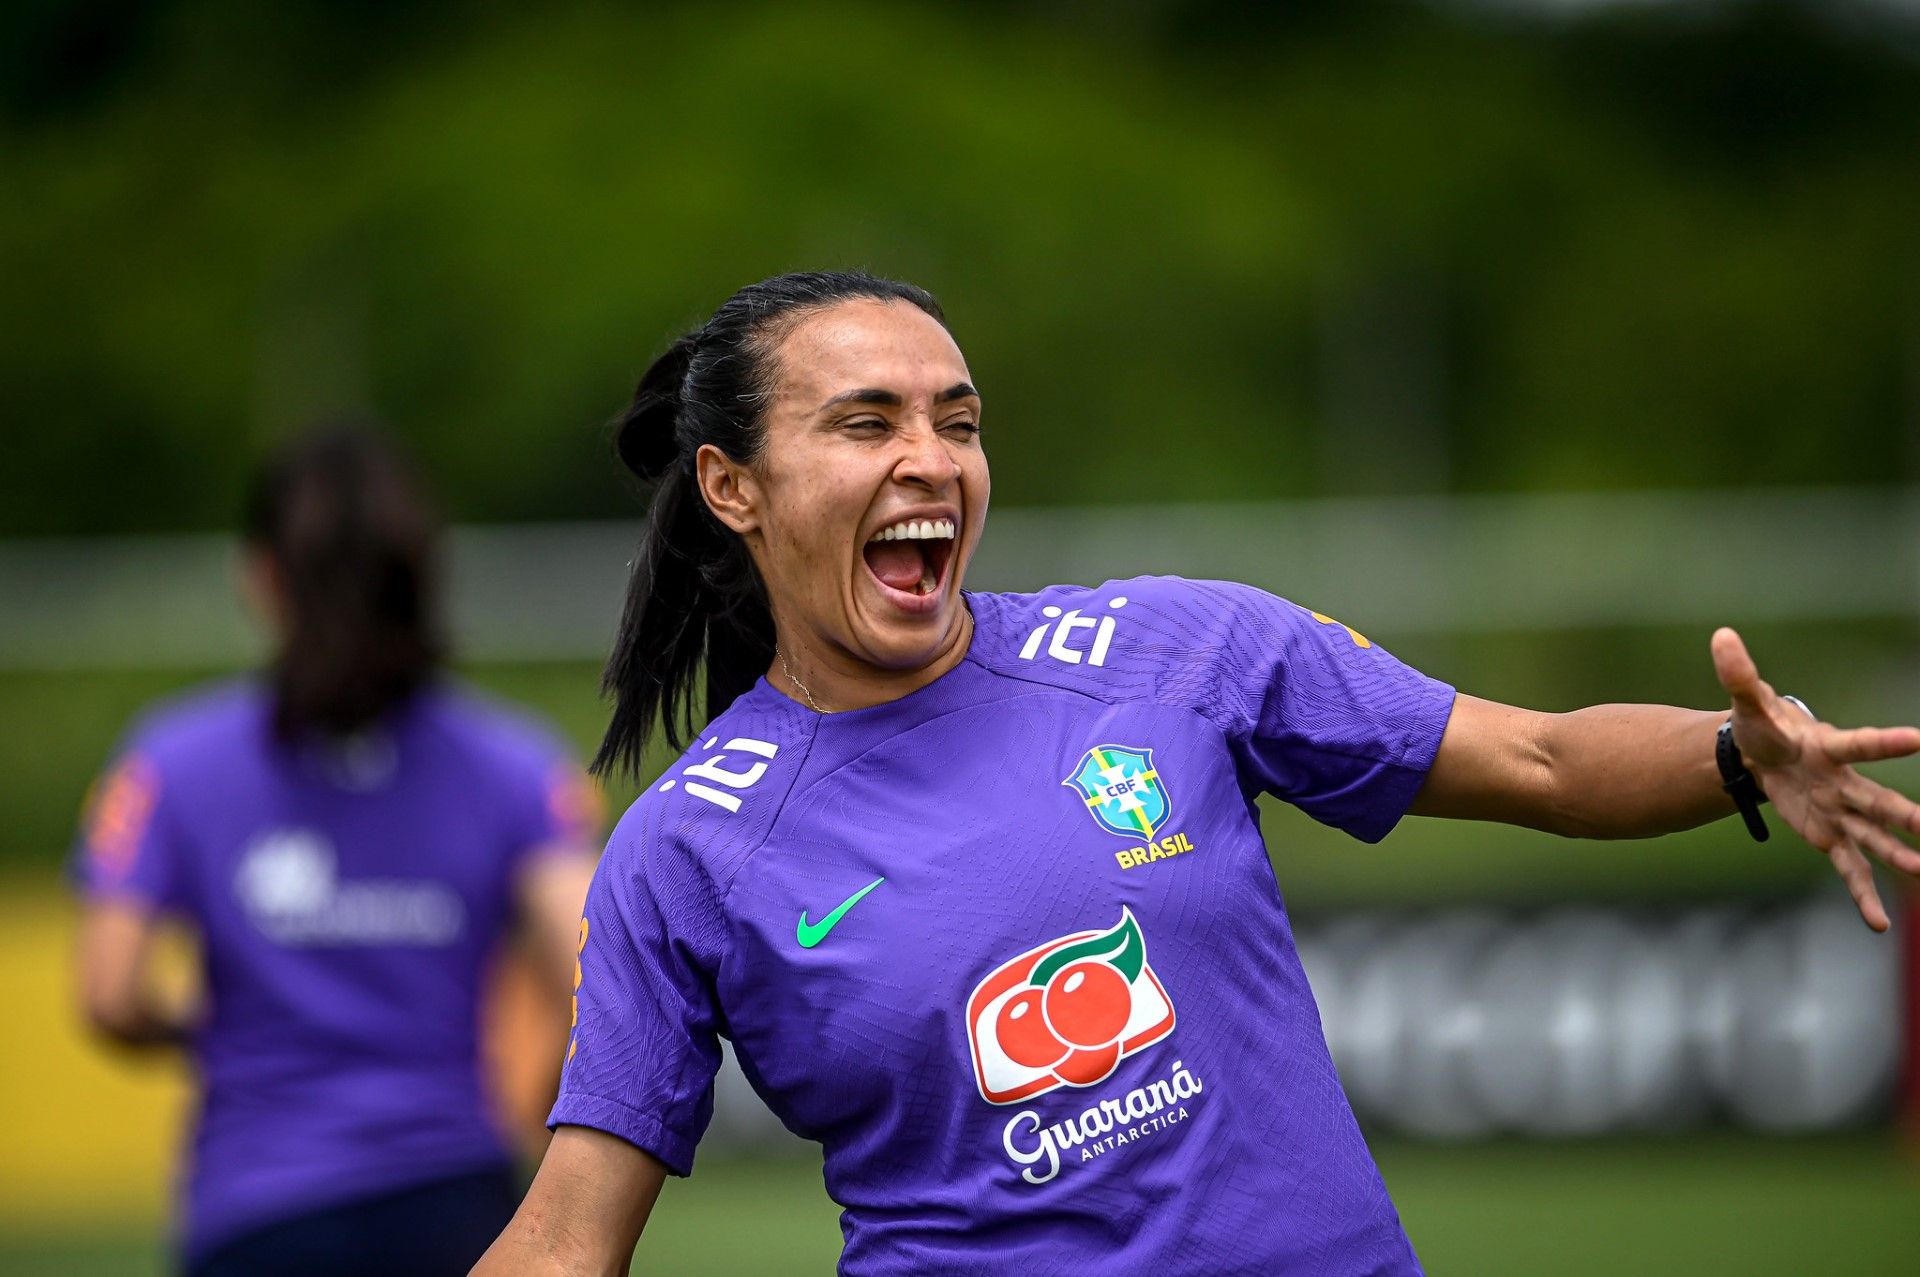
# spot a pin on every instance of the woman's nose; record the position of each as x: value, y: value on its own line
x: 925, y: 459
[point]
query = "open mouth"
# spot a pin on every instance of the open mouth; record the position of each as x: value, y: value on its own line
x: 911, y: 557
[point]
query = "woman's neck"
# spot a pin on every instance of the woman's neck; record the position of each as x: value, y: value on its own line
x: 829, y: 680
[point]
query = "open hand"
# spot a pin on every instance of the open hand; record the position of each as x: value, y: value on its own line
x: 1806, y: 769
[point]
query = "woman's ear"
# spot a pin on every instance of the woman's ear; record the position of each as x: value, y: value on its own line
x: 728, y: 489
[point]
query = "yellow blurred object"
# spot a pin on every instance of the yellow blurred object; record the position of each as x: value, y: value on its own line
x: 90, y: 1131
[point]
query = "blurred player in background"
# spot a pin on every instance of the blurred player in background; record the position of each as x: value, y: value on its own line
x: 351, y: 838
x: 974, y: 883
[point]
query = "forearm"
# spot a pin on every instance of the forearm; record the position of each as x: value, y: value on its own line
x: 1632, y: 771
x: 535, y: 1245
x: 143, y: 1024
x: 584, y: 1211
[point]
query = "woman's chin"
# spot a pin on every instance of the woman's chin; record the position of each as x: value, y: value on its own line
x: 907, y: 630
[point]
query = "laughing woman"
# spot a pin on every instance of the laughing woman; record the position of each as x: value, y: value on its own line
x: 974, y: 883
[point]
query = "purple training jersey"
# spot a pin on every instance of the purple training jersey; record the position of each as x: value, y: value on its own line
x: 1010, y: 947
x: 348, y: 902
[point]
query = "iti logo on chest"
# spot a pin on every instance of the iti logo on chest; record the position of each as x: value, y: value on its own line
x: 1065, y: 1013
x: 1060, y: 646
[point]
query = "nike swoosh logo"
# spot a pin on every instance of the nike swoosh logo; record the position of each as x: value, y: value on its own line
x: 810, y: 934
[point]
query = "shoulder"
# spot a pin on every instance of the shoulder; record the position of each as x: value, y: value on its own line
x: 1117, y: 639
x: 499, y: 734
x: 201, y: 727
x: 716, y: 804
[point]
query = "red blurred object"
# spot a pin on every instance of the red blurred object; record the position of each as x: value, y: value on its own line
x: 1910, y: 1057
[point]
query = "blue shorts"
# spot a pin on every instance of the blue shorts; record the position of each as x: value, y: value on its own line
x: 437, y: 1228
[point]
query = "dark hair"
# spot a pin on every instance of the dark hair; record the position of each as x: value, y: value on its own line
x: 693, y: 594
x: 354, y: 540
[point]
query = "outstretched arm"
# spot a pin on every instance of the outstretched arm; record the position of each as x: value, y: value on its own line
x: 583, y: 1214
x: 1633, y: 771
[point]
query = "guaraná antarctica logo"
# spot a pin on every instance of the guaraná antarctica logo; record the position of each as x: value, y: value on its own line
x: 1123, y: 792
x: 1065, y: 1013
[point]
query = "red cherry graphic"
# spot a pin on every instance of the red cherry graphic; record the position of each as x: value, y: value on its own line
x: 1087, y: 1003
x: 1084, y: 1068
x: 1023, y: 1034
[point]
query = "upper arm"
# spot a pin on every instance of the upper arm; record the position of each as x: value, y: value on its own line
x: 552, y: 827
x: 127, y: 866
x: 115, y: 945
x: 1494, y: 763
x: 550, y: 898
x: 645, y: 1045
x: 584, y: 1211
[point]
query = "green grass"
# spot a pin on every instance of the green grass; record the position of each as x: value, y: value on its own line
x: 1701, y: 1205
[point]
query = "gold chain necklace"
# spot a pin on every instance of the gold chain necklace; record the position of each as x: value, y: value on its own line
x: 794, y: 679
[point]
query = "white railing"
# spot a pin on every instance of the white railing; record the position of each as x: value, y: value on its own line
x: 1395, y: 565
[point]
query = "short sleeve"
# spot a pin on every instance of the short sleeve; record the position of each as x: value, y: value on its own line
x: 550, y: 802
x: 1318, y: 714
x: 645, y: 1044
x: 127, y: 847
x: 557, y: 806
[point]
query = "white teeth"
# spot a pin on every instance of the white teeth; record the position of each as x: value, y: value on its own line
x: 917, y: 530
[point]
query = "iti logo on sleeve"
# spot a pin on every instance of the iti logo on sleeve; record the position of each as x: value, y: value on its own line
x: 1066, y: 1013
x: 1122, y: 790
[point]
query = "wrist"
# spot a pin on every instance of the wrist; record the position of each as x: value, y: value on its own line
x: 1739, y: 783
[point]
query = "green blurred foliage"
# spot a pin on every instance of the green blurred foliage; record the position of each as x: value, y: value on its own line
x: 1192, y: 250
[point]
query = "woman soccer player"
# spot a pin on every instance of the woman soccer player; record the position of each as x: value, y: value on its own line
x: 351, y: 838
x: 974, y: 883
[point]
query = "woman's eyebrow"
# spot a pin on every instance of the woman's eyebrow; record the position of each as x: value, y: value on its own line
x: 888, y: 399
x: 884, y: 397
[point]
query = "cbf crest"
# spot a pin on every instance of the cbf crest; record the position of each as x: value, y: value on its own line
x: 1122, y: 790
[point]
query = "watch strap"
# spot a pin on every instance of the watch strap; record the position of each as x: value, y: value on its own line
x: 1739, y: 782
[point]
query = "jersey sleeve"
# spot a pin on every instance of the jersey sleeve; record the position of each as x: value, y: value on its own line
x: 1315, y: 712
x: 549, y: 801
x: 645, y: 1045
x: 128, y: 848
x: 557, y: 807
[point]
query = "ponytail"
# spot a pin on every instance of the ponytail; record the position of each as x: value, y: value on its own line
x: 692, y: 593
x: 354, y: 544
x: 693, y: 596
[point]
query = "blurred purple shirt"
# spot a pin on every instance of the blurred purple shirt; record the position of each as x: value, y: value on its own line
x: 1065, y: 1025
x: 348, y: 902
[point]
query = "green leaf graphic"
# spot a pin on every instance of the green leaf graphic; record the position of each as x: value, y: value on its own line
x: 1123, y: 948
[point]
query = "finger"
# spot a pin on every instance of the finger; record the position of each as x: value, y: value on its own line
x: 1870, y: 744
x: 1858, y: 875
x: 1737, y: 672
x: 1881, y: 805
x: 1891, y: 850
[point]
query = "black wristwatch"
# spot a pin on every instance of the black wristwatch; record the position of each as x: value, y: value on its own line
x: 1738, y: 781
